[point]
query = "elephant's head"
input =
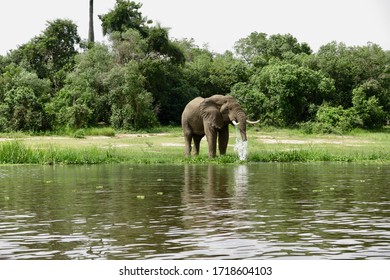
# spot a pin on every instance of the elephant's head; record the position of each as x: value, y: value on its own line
x: 220, y: 110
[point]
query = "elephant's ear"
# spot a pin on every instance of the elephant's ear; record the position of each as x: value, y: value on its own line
x: 210, y: 113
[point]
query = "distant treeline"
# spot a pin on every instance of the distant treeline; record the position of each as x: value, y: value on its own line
x: 142, y: 78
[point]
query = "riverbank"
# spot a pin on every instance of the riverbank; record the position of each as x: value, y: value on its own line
x: 269, y: 145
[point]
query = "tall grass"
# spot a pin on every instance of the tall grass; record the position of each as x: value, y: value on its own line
x: 15, y: 152
x: 65, y: 131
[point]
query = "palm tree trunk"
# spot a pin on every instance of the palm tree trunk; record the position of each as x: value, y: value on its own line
x: 91, y: 34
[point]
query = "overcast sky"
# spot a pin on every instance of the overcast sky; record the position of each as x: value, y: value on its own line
x: 217, y: 23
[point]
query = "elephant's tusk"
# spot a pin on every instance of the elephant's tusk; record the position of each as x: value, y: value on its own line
x: 235, y: 123
x: 252, y: 122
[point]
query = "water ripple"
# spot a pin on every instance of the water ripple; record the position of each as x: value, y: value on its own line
x: 264, y: 211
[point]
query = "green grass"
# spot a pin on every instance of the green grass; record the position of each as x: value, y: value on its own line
x: 16, y: 152
x: 312, y: 155
x: 267, y: 145
x: 77, y: 133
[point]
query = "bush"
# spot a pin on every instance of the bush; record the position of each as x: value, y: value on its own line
x: 367, y: 104
x: 312, y: 127
x: 80, y: 133
x: 335, y: 120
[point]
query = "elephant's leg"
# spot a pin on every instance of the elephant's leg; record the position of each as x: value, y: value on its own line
x: 187, y: 141
x: 211, y: 135
x: 223, y: 139
x: 197, y: 139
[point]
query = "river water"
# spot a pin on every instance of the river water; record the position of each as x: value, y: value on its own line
x: 254, y: 211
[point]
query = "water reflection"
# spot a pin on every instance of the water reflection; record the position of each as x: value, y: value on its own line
x: 258, y: 211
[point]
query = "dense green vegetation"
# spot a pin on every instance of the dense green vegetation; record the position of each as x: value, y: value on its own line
x: 142, y: 78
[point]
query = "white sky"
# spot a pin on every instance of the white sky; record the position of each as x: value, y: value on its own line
x: 217, y: 23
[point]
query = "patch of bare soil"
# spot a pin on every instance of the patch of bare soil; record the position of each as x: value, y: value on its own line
x: 339, y: 140
x: 140, y: 135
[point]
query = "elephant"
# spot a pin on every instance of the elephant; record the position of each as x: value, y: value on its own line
x: 211, y: 117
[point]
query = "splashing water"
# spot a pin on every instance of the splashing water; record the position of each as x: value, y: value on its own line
x: 241, y: 146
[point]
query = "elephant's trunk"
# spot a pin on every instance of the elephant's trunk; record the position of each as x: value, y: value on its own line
x: 241, y: 119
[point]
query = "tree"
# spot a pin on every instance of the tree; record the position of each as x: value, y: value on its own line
x: 91, y: 33
x: 250, y: 47
x: 226, y: 71
x: 129, y: 45
x: 284, y: 94
x: 22, y: 100
x: 60, y: 40
x: 131, y: 104
x: 83, y: 100
x: 124, y: 16
x: 336, y: 61
x: 197, y: 72
x: 361, y: 79
x: 158, y: 42
x: 279, y: 45
x: 367, y: 104
x: 170, y: 90
x: 51, y: 54
x: 257, y: 49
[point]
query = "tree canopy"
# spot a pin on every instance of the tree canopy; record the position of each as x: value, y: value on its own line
x: 124, y: 16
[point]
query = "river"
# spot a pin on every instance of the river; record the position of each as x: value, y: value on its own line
x: 253, y: 211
